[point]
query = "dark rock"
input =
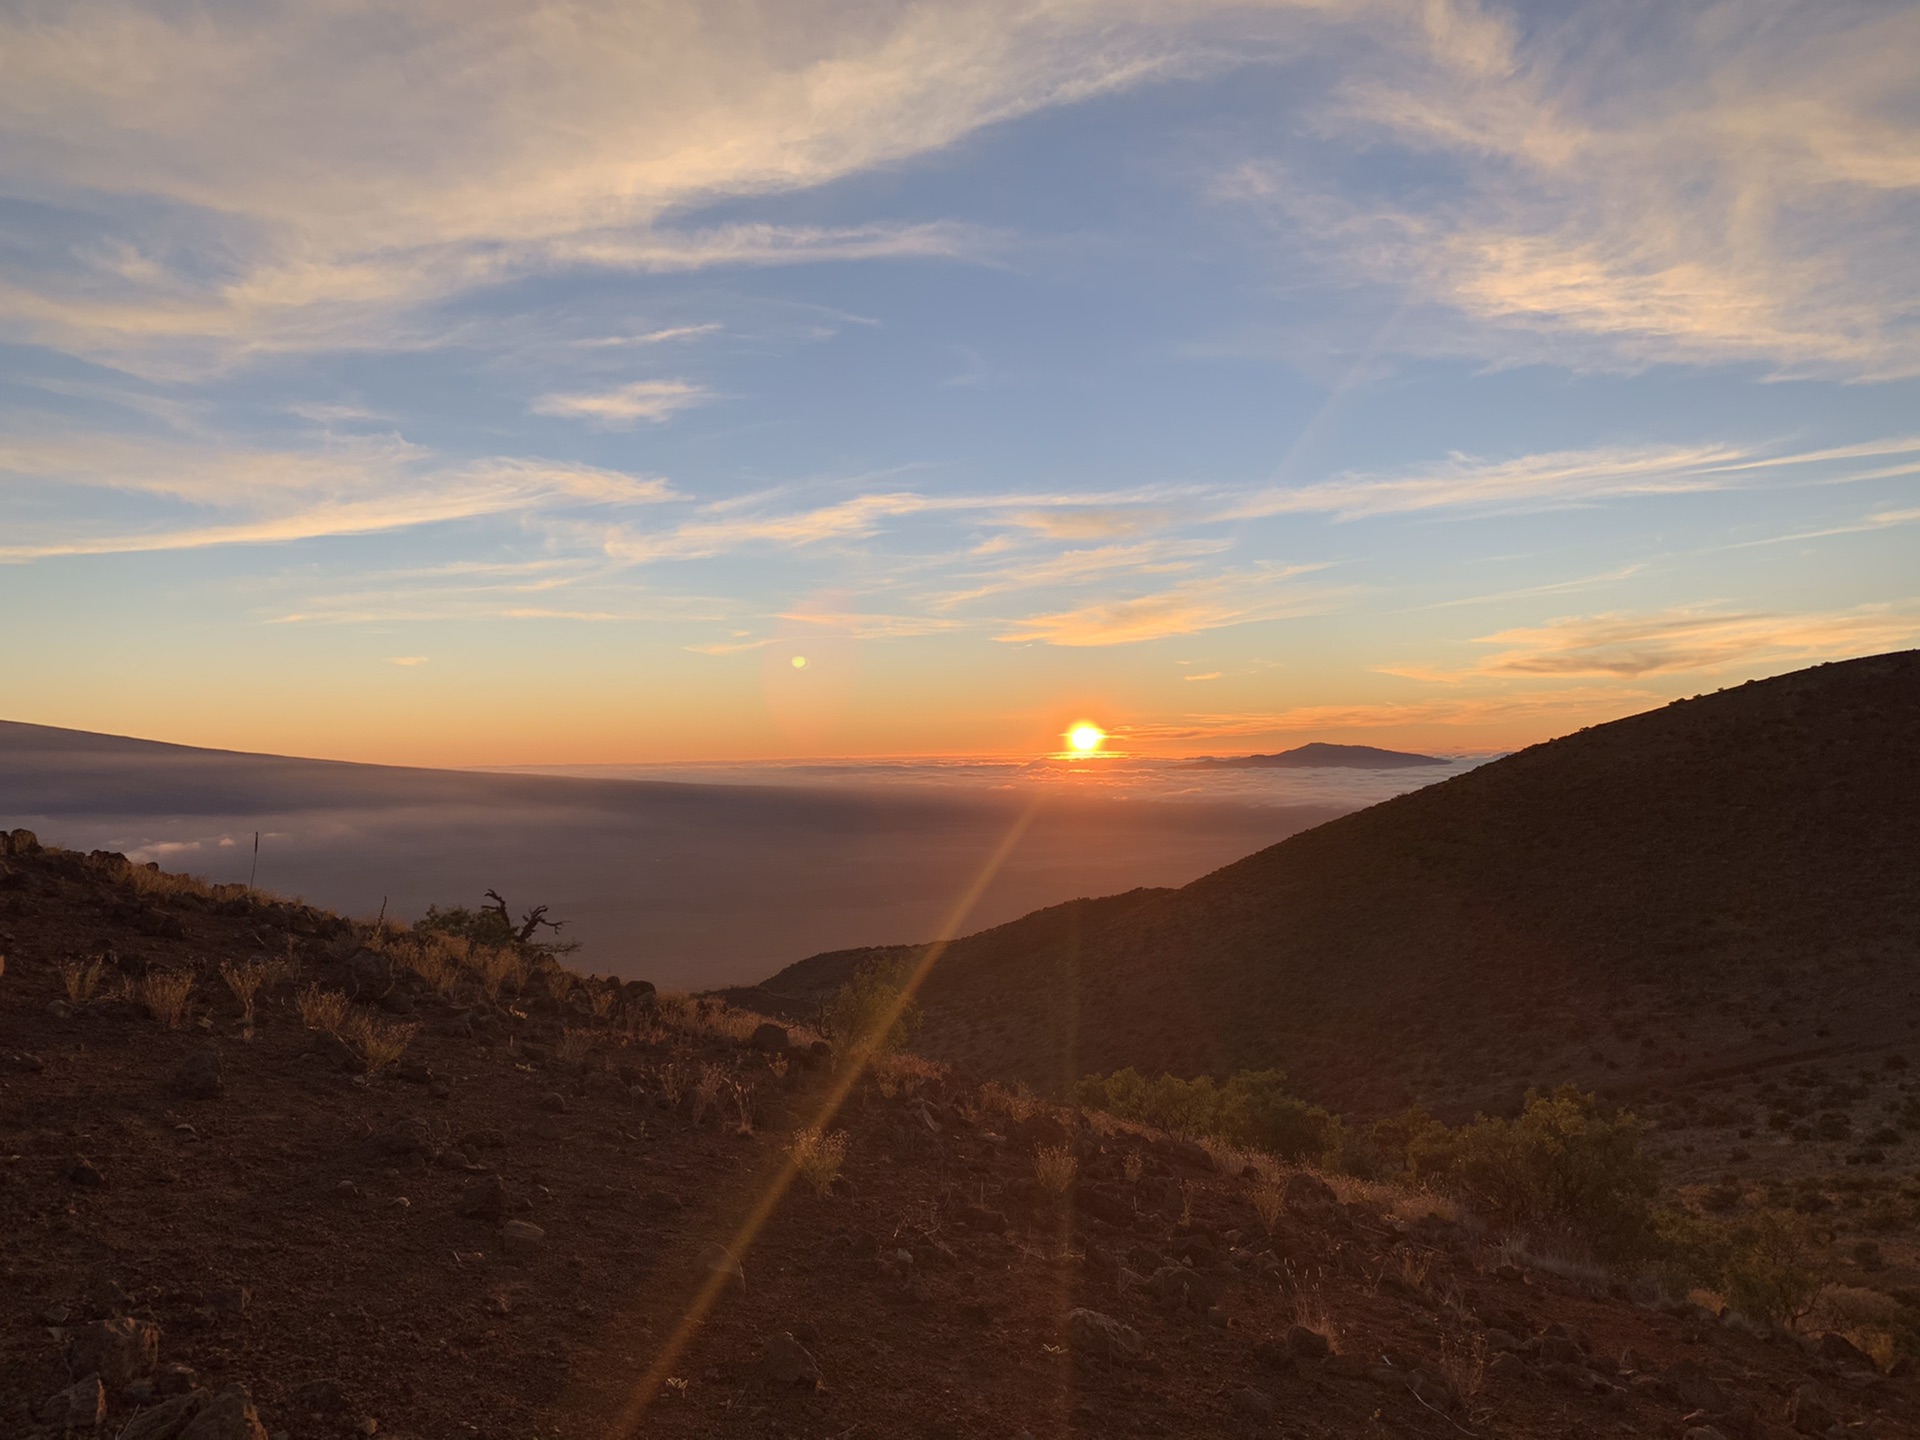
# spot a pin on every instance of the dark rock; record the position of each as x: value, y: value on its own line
x: 979, y: 1217
x: 198, y: 1074
x: 553, y: 1102
x: 1809, y: 1413
x: 228, y: 1415
x: 485, y: 1198
x: 1309, y: 1197
x: 771, y: 1038
x: 787, y: 1365
x: 84, y: 1174
x: 1842, y: 1351
x: 81, y: 1406
x: 1307, y: 1344
x: 409, y: 1135
x: 1103, y: 1337
x: 21, y: 842
x: 1038, y: 1130
x: 120, y: 1350
x: 1697, y: 1389
x: 412, y: 1072
x: 321, y: 1397
x: 175, y: 1379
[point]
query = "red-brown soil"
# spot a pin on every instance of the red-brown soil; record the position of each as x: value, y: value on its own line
x: 279, y: 1244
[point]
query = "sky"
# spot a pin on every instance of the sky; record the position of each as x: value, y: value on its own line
x: 500, y: 382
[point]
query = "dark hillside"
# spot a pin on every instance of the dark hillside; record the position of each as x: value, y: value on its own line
x: 1724, y: 883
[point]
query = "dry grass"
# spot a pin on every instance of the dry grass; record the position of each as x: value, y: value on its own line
x: 1133, y: 1167
x: 706, y: 1090
x: 1310, y: 1312
x: 672, y: 1081
x: 895, y: 1072
x: 164, y: 993
x: 818, y: 1157
x: 602, y: 1002
x: 1463, y: 1364
x: 323, y: 1010
x: 497, y: 969
x: 245, y: 982
x: 80, y: 977
x: 1017, y: 1104
x: 576, y: 1045
x: 1269, y: 1201
x: 1054, y: 1166
x: 378, y: 1042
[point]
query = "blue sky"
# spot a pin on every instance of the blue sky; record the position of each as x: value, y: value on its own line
x: 532, y: 383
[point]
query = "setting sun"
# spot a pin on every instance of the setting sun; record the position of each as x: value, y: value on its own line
x: 1085, y: 738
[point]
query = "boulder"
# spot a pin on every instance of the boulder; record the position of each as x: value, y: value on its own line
x: 1309, y: 1197
x: 786, y: 1364
x: 410, y: 1135
x: 119, y: 1351
x: 1697, y: 1389
x: 1808, y: 1411
x: 1307, y: 1344
x: 198, y: 1074
x: 228, y: 1415
x: 81, y: 1406
x: 1842, y: 1351
x: 1102, y: 1337
x: 485, y: 1198
x: 771, y: 1038
x: 21, y: 842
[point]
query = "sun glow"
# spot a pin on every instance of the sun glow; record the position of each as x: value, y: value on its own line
x: 1085, y: 738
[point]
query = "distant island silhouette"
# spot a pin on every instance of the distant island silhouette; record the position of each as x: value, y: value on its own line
x: 1317, y: 755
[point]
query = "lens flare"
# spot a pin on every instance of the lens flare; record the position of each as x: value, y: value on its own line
x: 1085, y: 738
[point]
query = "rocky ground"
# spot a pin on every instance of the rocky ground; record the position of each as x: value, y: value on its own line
x: 557, y: 1215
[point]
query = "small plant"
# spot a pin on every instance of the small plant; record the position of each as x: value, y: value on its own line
x: 1463, y: 1365
x: 1054, y: 1167
x: 778, y: 1065
x: 322, y: 1010
x: 1310, y: 1313
x: 706, y: 1090
x: 575, y: 1045
x: 743, y: 1109
x: 164, y: 993
x: 673, y: 1084
x: 79, y: 977
x: 244, y: 981
x: 818, y: 1156
x: 379, y: 1042
x: 1134, y: 1166
x: 1268, y: 1202
x: 1188, y: 1189
x: 602, y: 1002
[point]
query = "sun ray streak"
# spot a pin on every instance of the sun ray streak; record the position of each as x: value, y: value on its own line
x: 682, y: 1335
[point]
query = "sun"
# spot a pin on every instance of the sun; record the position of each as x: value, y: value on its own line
x: 1085, y: 738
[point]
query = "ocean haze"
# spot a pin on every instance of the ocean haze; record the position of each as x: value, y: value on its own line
x: 689, y: 875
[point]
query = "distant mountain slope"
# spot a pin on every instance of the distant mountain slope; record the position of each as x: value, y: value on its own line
x: 1718, y: 884
x: 1318, y: 755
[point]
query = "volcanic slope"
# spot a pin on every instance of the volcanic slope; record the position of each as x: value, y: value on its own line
x: 217, y: 1223
x: 1724, y: 884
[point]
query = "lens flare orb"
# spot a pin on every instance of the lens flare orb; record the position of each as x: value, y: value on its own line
x: 1085, y: 738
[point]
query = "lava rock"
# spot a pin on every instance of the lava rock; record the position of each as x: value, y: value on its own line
x: 81, y: 1406
x: 85, y: 1174
x: 771, y: 1038
x: 1307, y: 1344
x: 1809, y: 1413
x: 119, y: 1351
x: 521, y: 1237
x: 485, y: 1198
x: 786, y: 1364
x: 1104, y: 1337
x: 1309, y: 1197
x: 198, y: 1074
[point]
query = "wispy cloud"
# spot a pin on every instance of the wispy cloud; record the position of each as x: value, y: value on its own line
x: 1745, y: 197
x: 1208, y: 603
x: 407, y: 661
x: 1632, y: 646
x: 653, y: 400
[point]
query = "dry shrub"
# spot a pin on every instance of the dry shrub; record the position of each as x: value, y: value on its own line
x: 576, y: 1045
x: 778, y: 1065
x: 1414, y: 1266
x: 896, y: 1072
x: 434, y: 962
x: 672, y: 1083
x: 164, y: 993
x: 80, y: 977
x: 1054, y: 1166
x: 378, y: 1042
x: 1463, y: 1364
x: 245, y: 982
x: 818, y: 1156
x: 1310, y: 1312
x: 1867, y: 1318
x: 602, y: 1000
x: 324, y: 1010
x: 498, y: 968
x: 153, y: 883
x: 1017, y: 1104
x: 706, y: 1090
x: 1269, y: 1200
x: 1134, y: 1166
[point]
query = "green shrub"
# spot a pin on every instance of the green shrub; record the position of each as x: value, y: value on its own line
x: 1252, y: 1109
x: 872, y: 1014
x: 1767, y: 1273
x: 1563, y: 1161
